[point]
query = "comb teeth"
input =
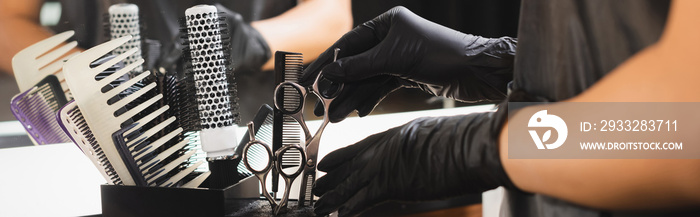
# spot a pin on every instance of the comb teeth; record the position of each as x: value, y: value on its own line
x: 72, y: 122
x: 133, y: 151
x: 293, y: 66
x: 181, y: 98
x: 123, y: 21
x: 36, y: 62
x: 292, y: 73
x: 264, y: 134
x: 36, y: 110
x: 199, y: 155
x: 288, y: 68
x: 134, y: 146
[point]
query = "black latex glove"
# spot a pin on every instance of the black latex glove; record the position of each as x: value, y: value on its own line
x: 425, y: 159
x: 249, y: 50
x: 406, y: 50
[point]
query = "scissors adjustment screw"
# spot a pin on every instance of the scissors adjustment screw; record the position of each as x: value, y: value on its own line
x: 310, y: 163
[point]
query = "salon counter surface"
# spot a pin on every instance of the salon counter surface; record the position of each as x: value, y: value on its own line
x: 58, y: 180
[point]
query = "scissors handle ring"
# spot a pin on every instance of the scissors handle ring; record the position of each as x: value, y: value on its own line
x: 246, y: 162
x: 326, y: 95
x: 280, y: 154
x: 279, y: 104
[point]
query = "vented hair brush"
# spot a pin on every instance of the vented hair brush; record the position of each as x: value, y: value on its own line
x: 215, y: 93
x: 209, y: 67
x: 123, y: 21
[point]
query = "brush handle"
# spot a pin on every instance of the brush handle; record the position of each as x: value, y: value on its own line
x: 123, y: 21
x: 218, y: 134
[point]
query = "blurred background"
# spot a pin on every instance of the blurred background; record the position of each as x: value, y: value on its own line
x: 492, y: 18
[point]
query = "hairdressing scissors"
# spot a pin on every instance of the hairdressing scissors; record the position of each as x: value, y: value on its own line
x: 274, y: 163
x: 326, y: 95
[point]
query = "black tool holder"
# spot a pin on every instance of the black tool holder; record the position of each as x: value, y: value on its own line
x: 120, y: 200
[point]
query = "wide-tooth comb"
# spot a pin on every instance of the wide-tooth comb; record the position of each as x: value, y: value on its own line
x: 35, y: 62
x: 105, y: 115
x: 36, y: 110
x: 73, y: 123
x: 123, y: 21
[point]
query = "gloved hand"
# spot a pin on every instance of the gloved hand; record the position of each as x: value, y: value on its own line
x: 406, y: 50
x: 425, y: 159
x: 249, y: 50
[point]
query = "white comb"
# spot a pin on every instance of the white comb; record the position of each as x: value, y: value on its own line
x: 102, y: 118
x: 73, y: 123
x: 35, y: 62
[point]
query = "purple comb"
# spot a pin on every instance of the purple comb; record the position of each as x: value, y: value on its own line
x: 36, y: 110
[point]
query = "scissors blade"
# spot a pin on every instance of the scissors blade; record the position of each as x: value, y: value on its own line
x: 310, y: 167
x: 305, y: 195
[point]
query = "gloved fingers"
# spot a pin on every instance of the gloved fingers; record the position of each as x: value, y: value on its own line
x: 391, y: 57
x: 356, y: 41
x: 364, y: 110
x: 371, y: 102
x: 318, y: 109
x: 360, y: 44
x: 357, y: 67
x: 364, y: 94
x: 343, y: 162
x: 321, y: 208
x: 332, y: 179
x: 395, y: 56
x: 333, y: 199
x: 340, y: 108
x: 338, y: 157
x: 364, y: 199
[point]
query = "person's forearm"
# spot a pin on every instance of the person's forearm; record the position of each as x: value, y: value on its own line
x: 671, y: 68
x: 309, y: 28
x: 19, y: 28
